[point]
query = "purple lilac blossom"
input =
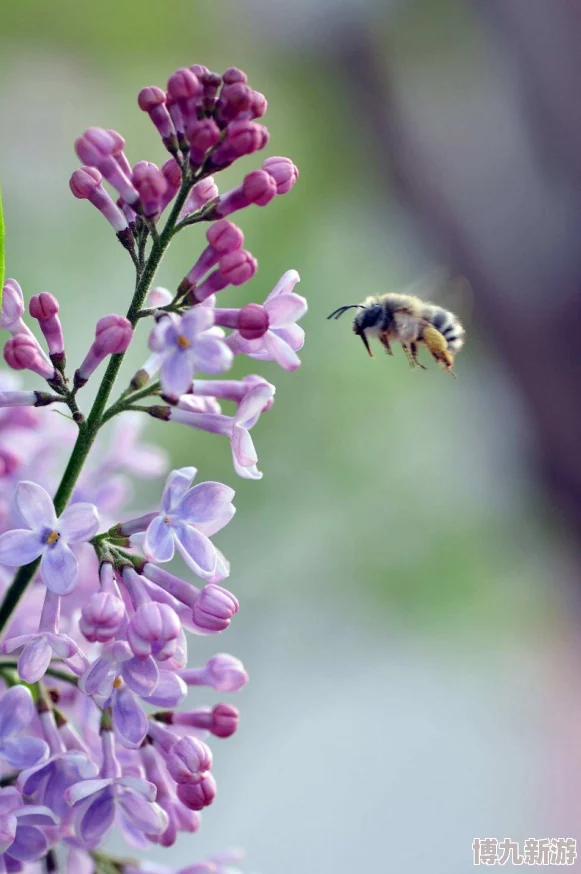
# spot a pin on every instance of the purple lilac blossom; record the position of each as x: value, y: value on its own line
x: 48, y: 537
x: 100, y: 628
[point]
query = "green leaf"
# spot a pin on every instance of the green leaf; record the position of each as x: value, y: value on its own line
x: 2, y: 261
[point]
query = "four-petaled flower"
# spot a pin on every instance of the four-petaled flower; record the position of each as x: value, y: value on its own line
x: 188, y: 516
x: 48, y: 537
x: 99, y: 800
x: 185, y: 346
x: 22, y: 838
x: 284, y: 337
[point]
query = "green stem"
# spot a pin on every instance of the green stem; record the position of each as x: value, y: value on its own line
x: 87, y: 434
x: 126, y: 400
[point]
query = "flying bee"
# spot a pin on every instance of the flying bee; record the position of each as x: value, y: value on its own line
x: 410, y: 321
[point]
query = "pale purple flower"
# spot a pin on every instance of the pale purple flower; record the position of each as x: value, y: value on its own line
x: 186, y: 346
x: 98, y: 802
x: 284, y: 337
x: 102, y: 616
x: 16, y: 714
x: 236, y: 427
x: 47, y: 783
x: 180, y: 819
x: 153, y: 630
x: 36, y: 651
x: 188, y: 516
x: 13, y: 308
x: 48, y: 537
x: 22, y: 837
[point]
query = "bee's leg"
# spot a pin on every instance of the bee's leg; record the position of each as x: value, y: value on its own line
x: 414, y: 355
x: 437, y: 345
x: 409, y: 355
x: 384, y: 339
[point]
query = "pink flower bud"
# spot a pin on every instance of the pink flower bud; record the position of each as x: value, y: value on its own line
x: 238, y: 267
x: 45, y: 307
x: 233, y: 74
x: 113, y: 334
x: 258, y: 105
x: 12, y: 307
x: 198, y: 70
x: 151, y: 186
x: 94, y: 146
x: 22, y: 352
x: 222, y: 672
x: 211, y: 83
x: 101, y: 617
x: 245, y: 137
x: 214, y: 608
x: 202, y: 192
x: 202, y: 135
x: 224, y: 721
x: 173, y: 177
x: 118, y: 153
x: 187, y: 758
x: 84, y: 181
x: 153, y: 101
x: 153, y: 630
x: 185, y: 89
x: 97, y: 148
x: 85, y: 184
x: 225, y: 236
x: 234, y: 100
x: 259, y: 187
x: 283, y: 171
x: 198, y: 793
x: 253, y: 321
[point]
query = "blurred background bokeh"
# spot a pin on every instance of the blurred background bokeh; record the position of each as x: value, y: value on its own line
x: 408, y: 567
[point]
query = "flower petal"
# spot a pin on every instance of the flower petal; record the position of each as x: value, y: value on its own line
x: 286, y: 309
x: 30, y: 843
x: 97, y: 819
x: 84, y: 788
x: 128, y: 718
x: 169, y: 692
x: 141, y: 675
x: 34, y: 659
x: 58, y: 568
x: 93, y: 680
x: 243, y: 447
x: 16, y: 710
x: 176, y: 485
x: 280, y: 351
x: 177, y: 372
x: 146, y: 816
x: 163, y: 333
x: 195, y: 321
x: 285, y: 284
x: 205, y: 502
x: 24, y: 752
x: 158, y: 543
x: 79, y: 522
x: 197, y: 550
x: 253, y: 405
x: 212, y: 355
x: 19, y: 547
x: 35, y: 505
x: 218, y: 522
x: 294, y: 335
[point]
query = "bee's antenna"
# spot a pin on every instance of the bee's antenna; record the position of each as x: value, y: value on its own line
x: 336, y: 314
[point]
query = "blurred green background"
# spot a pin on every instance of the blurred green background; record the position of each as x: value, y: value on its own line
x: 406, y: 611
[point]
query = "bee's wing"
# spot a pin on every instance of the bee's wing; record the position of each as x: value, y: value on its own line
x: 439, y: 286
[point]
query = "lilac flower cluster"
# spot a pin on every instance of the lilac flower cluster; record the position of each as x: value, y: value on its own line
x: 93, y: 643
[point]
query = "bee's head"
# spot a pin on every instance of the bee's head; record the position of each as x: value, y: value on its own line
x: 367, y: 318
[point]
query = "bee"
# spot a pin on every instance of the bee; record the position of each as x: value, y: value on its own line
x: 410, y: 321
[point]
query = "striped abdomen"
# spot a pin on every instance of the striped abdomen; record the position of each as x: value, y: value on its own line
x: 448, y: 325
